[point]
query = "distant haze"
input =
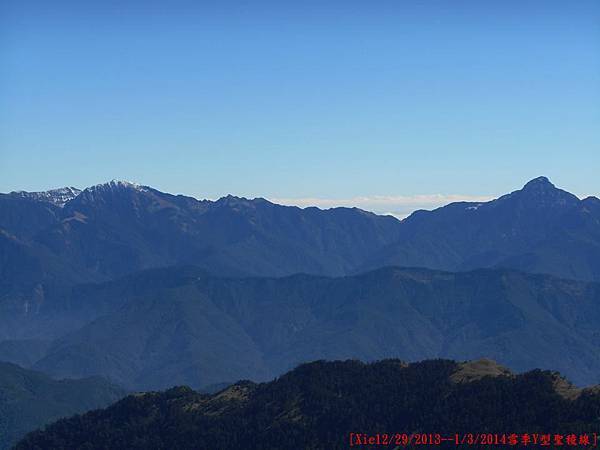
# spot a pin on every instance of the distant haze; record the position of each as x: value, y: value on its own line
x: 399, y: 206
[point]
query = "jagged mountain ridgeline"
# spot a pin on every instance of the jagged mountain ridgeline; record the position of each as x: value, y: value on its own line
x: 271, y: 282
x: 516, y: 224
x: 117, y: 228
x: 50, y: 241
x: 318, y: 406
x: 538, y: 229
x: 77, y: 299
x: 148, y: 290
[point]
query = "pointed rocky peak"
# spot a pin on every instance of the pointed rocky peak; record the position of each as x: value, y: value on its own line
x: 111, y: 188
x: 541, y: 193
x: 231, y: 201
x: 539, y: 183
x: 116, y: 185
x: 110, y: 194
x: 540, y: 186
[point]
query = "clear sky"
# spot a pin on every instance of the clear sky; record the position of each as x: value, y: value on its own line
x: 306, y: 101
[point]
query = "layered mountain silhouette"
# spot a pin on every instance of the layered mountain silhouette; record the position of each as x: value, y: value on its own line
x: 150, y: 288
x: 30, y: 399
x: 181, y: 325
x: 57, y: 238
x: 318, y: 405
x: 537, y: 229
x: 48, y: 245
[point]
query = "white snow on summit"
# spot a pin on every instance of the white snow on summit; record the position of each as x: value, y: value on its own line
x: 57, y: 197
x: 117, y: 184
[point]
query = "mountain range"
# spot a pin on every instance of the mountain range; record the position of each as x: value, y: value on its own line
x: 181, y: 325
x: 319, y: 405
x: 149, y: 288
x: 58, y: 238
x: 538, y: 229
x: 48, y: 245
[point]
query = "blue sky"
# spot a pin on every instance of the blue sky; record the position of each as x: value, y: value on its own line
x: 314, y: 101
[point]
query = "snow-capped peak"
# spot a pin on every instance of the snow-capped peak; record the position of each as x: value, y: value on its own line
x: 111, y: 188
x: 57, y: 197
x: 117, y: 184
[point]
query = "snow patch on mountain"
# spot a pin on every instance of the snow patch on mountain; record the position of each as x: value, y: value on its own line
x: 117, y: 185
x: 58, y: 197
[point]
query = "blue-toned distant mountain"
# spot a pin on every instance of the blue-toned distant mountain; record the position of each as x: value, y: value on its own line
x: 537, y: 229
x: 50, y: 242
x: 56, y: 246
x: 181, y: 325
x: 30, y: 399
x: 117, y: 228
x: 151, y: 289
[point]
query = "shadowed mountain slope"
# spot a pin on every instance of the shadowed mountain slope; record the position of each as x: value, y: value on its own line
x: 30, y: 399
x: 63, y: 254
x: 318, y: 405
x: 184, y: 326
x: 49, y: 245
x: 50, y: 241
x: 539, y: 228
x: 53, y: 240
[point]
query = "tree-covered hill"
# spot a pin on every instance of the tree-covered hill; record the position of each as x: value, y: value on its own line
x: 318, y: 405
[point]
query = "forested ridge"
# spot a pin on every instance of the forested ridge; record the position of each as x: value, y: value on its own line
x: 318, y: 404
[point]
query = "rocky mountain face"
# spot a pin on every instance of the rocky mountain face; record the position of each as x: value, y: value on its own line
x: 319, y: 405
x: 56, y: 197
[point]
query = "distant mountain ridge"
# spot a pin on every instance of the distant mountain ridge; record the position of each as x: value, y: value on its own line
x: 56, y: 197
x: 29, y: 400
x: 539, y: 228
x: 150, y: 228
x: 119, y: 227
x: 318, y: 405
x: 62, y: 252
x: 181, y: 325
